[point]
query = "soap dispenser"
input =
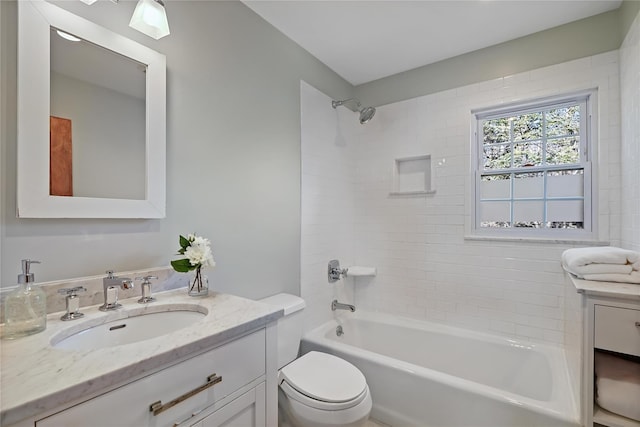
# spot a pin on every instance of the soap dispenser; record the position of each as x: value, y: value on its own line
x: 26, y: 307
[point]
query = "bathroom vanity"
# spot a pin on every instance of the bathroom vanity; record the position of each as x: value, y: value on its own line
x: 611, y: 323
x: 220, y: 370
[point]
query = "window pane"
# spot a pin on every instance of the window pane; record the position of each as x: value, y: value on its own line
x: 569, y: 183
x: 528, y: 224
x: 528, y: 212
x: 496, y: 131
x: 563, y: 121
x: 527, y: 127
x: 495, y: 187
x: 565, y: 210
x: 527, y: 154
x: 495, y: 211
x: 563, y: 151
x: 528, y: 185
x: 497, y: 156
x: 566, y: 224
x: 495, y: 224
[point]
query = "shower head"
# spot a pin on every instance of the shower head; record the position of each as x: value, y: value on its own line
x: 366, y: 113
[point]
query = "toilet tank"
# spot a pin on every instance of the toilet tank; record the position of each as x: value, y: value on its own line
x: 289, y: 326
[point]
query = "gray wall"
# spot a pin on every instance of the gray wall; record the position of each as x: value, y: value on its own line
x: 586, y: 37
x: 233, y: 153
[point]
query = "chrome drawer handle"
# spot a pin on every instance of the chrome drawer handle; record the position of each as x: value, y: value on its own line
x: 158, y: 407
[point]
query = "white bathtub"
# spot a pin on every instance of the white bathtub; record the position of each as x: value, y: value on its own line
x: 431, y: 375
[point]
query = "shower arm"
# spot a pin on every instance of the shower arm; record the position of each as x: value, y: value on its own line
x: 336, y: 104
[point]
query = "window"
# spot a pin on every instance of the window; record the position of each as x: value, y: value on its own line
x: 532, y: 169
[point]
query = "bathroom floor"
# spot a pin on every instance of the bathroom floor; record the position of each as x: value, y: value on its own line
x: 374, y: 423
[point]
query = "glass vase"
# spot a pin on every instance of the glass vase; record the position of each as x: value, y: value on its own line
x: 198, y: 284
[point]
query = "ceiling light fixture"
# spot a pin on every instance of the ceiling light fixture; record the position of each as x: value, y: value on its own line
x: 150, y: 18
x: 89, y: 2
x: 67, y: 36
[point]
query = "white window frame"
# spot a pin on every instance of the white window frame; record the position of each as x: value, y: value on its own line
x: 588, y: 161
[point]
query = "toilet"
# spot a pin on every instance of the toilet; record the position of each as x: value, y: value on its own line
x: 316, y: 389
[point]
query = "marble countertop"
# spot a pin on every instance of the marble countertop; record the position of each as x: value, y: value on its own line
x: 36, y: 377
x: 628, y: 291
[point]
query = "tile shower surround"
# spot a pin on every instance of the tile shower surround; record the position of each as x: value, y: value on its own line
x: 426, y: 268
x: 630, y: 130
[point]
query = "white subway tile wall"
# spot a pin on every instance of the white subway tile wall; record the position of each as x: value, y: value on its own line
x: 327, y: 202
x: 630, y: 129
x: 426, y: 268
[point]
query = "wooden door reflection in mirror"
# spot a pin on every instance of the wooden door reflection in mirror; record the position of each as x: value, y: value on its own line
x: 60, y: 160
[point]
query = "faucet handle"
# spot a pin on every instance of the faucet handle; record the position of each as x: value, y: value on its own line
x: 71, y: 291
x: 146, y: 289
x: 146, y: 279
x: 72, y: 302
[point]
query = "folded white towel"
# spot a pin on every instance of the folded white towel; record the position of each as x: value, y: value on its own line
x: 578, y: 257
x: 361, y: 271
x: 618, y: 385
x: 600, y: 260
x: 583, y: 270
x: 634, y: 277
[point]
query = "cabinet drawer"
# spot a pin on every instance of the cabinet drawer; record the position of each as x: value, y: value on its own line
x: 617, y: 329
x: 238, y: 363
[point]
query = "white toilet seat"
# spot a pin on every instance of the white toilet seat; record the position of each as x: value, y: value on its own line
x: 294, y: 394
x: 324, y: 377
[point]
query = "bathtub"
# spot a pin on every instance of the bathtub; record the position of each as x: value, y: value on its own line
x: 432, y: 375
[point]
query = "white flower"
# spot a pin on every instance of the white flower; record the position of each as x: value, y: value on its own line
x: 199, y: 252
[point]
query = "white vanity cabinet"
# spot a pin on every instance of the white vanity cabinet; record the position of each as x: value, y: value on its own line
x: 612, y: 323
x: 223, y: 386
x: 246, y: 410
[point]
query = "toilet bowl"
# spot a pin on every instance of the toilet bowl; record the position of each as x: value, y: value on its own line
x: 316, y: 389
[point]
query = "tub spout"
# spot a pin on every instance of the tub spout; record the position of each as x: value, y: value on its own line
x: 335, y: 305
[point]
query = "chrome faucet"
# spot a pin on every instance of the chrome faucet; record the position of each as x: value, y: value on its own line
x: 110, y: 285
x: 335, y: 305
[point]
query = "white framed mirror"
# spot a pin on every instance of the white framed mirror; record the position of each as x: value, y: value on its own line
x: 113, y: 128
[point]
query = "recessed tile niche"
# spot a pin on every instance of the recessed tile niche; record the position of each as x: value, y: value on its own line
x: 412, y: 176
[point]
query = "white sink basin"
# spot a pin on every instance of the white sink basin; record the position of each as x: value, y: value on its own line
x: 127, y: 330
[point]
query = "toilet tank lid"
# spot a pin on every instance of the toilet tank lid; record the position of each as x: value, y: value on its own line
x: 289, y: 303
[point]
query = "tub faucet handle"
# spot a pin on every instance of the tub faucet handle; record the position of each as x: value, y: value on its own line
x: 334, y: 271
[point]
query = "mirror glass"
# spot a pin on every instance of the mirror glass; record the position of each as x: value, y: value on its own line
x: 97, y: 108
x: 91, y: 119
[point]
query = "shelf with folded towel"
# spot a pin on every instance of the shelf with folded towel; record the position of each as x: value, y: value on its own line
x: 606, y: 418
x: 611, y: 355
x: 617, y: 390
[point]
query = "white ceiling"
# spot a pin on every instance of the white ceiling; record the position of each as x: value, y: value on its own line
x: 366, y: 40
